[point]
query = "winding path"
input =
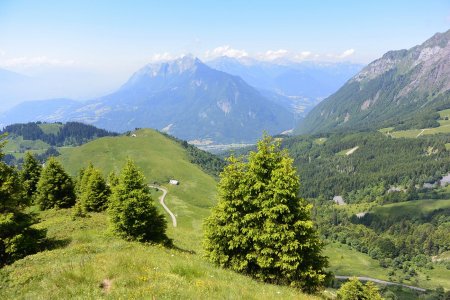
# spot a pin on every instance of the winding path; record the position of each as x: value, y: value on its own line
x: 383, y: 282
x: 423, y: 130
x: 161, y: 200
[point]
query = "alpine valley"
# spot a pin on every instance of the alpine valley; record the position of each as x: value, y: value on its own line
x: 192, y: 101
x: 337, y: 184
x: 403, y: 89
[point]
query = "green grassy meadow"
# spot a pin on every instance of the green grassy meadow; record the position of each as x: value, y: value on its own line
x: 413, y: 133
x: 17, y: 146
x: 92, y: 263
x: 50, y: 128
x: 349, y: 262
x: 160, y: 159
x: 411, y: 208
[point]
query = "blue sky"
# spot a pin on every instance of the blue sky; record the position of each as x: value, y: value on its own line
x: 117, y: 37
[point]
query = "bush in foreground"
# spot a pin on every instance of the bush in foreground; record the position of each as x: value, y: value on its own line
x: 355, y: 290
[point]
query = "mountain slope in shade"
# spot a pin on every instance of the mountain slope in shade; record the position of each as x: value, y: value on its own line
x: 187, y: 99
x: 403, y: 88
x: 54, y: 110
x: 298, y: 86
x: 13, y: 87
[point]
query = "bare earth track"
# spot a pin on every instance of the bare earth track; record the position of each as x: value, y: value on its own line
x: 161, y: 201
x: 382, y: 282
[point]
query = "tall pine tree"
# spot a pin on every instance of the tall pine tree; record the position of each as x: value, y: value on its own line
x: 30, y: 174
x: 260, y: 227
x: 92, y: 190
x: 55, y: 188
x: 17, y: 237
x: 132, y: 213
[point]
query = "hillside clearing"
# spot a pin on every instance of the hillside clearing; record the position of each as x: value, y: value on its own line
x: 91, y: 263
x: 444, y: 127
x: 411, y: 208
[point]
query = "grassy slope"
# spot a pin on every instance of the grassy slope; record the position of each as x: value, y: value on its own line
x: 349, y: 262
x: 14, y: 146
x: 439, y: 275
x: 135, y: 270
x: 413, y: 133
x: 160, y: 159
x: 50, y: 128
x: 411, y: 208
x: 346, y: 261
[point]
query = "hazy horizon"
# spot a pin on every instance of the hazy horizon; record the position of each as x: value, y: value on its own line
x: 86, y: 49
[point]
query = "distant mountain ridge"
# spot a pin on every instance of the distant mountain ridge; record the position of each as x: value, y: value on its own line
x: 184, y: 98
x: 299, y: 86
x: 53, y: 110
x: 403, y: 88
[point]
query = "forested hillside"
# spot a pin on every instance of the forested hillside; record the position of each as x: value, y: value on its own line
x: 328, y: 167
x: 57, y: 134
x: 403, y: 89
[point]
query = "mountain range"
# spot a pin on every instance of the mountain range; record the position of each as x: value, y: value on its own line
x: 204, y: 103
x: 184, y: 97
x: 299, y: 86
x: 402, y: 89
x: 229, y: 100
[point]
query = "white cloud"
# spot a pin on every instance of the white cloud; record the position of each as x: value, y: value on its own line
x: 166, y: 56
x: 28, y: 62
x: 274, y: 54
x: 343, y: 55
x: 2, y: 52
x: 225, y: 50
x: 304, y: 55
x: 347, y: 53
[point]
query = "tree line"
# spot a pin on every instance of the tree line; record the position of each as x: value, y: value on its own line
x: 69, y: 134
x: 126, y: 198
x: 379, y: 159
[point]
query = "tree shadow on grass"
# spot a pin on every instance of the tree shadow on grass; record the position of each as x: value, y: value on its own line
x: 174, y: 247
x: 54, y: 243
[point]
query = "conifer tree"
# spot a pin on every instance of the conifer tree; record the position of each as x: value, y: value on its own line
x: 93, y: 190
x: 17, y: 237
x: 132, y: 213
x: 113, y: 179
x: 260, y: 227
x: 355, y: 290
x: 30, y: 174
x: 78, y: 179
x: 55, y: 188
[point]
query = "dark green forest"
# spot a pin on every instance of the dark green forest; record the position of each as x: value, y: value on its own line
x: 209, y: 162
x: 69, y: 134
x: 379, y: 159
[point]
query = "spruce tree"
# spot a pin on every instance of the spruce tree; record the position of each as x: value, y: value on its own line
x: 260, y: 227
x: 113, y: 179
x: 355, y: 290
x: 55, y: 188
x: 131, y: 210
x: 30, y: 174
x: 17, y: 237
x: 93, y: 192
